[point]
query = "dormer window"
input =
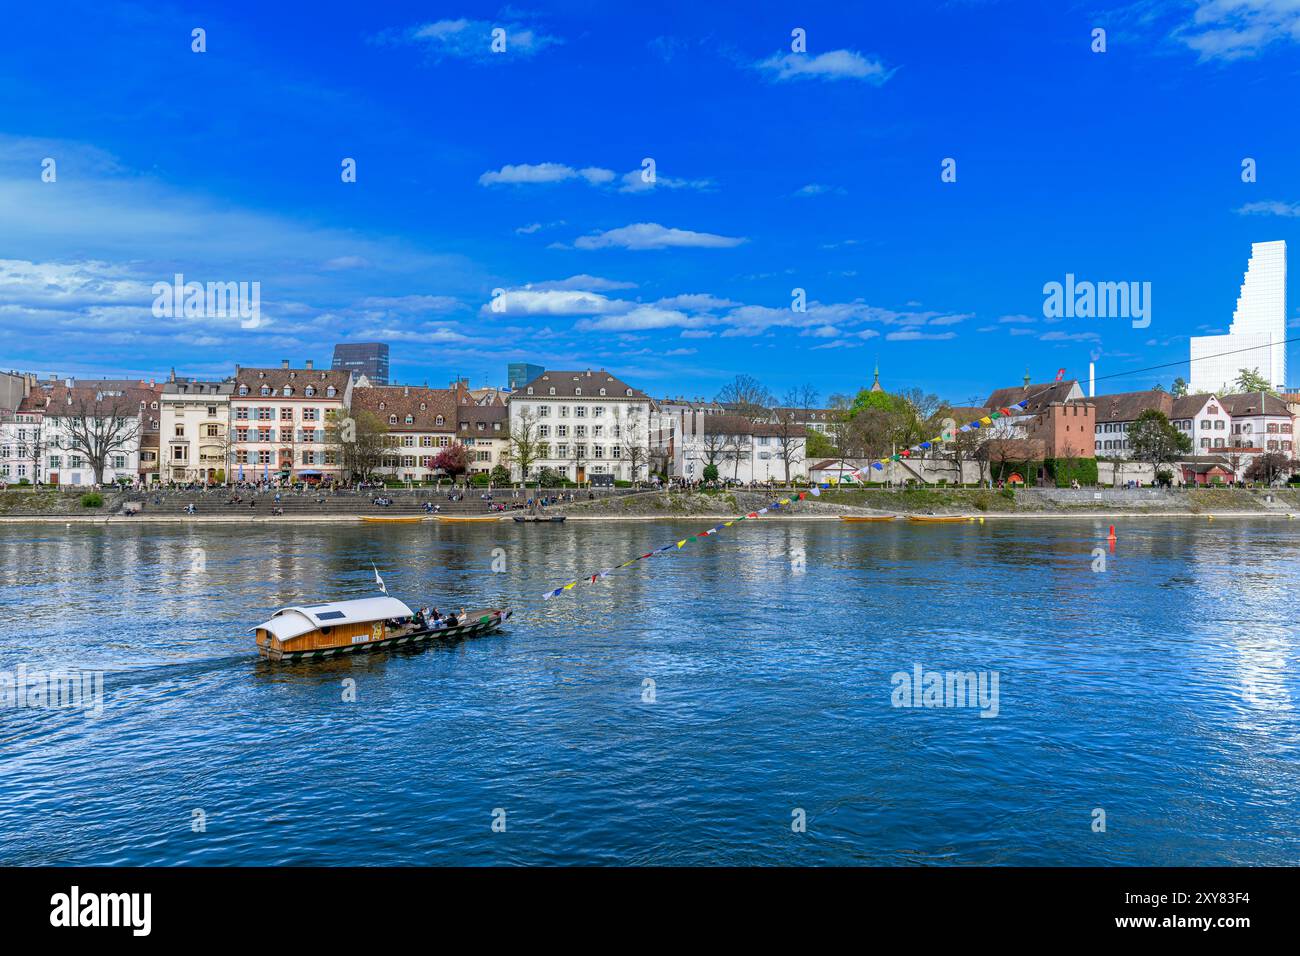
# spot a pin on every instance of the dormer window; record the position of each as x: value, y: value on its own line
x: 331, y: 391
x: 577, y: 391
x: 410, y: 419
x: 383, y: 405
x: 530, y: 390
x: 438, y: 420
x: 266, y: 390
x: 602, y: 391
x: 288, y: 390
x: 423, y: 407
x: 243, y: 390
x: 310, y: 390
x: 552, y: 389
x: 629, y: 393
x: 392, y: 419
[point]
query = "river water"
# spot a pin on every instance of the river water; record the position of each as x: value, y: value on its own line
x: 734, y: 702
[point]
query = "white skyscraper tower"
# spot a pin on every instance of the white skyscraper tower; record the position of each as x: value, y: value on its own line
x: 1258, y: 325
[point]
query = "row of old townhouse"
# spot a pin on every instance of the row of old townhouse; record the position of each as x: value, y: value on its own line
x: 280, y: 423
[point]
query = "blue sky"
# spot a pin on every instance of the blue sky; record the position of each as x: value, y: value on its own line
x: 521, y: 171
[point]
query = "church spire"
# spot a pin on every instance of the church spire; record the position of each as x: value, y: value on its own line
x: 875, y: 385
x: 1026, y: 376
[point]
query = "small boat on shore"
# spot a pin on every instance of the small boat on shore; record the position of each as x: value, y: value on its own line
x: 539, y: 519
x: 397, y: 519
x: 868, y: 517
x: 321, y: 631
x: 464, y: 519
x: 938, y: 518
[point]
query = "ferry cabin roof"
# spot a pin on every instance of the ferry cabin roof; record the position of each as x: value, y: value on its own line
x: 291, y: 622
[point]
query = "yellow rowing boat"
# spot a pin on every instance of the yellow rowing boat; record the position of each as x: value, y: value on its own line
x: 467, y: 518
x: 868, y: 517
x: 404, y: 519
x: 938, y: 518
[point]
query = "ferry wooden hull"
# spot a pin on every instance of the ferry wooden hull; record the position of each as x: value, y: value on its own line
x: 938, y: 519
x: 868, y: 517
x: 458, y: 519
x: 477, y: 624
x: 375, y: 519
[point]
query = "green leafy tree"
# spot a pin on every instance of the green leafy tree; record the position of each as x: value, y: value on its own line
x: 1155, y: 441
x: 710, y: 472
x: 1249, y: 380
x: 1180, y: 388
x: 818, y: 446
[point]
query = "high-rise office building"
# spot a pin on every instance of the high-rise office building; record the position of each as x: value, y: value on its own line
x: 519, y: 374
x: 363, y: 358
x: 1257, y: 337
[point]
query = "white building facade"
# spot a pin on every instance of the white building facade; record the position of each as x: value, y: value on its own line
x: 584, y: 423
x: 194, y: 434
x: 1258, y: 327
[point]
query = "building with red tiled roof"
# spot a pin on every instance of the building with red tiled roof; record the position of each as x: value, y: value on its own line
x: 282, y: 420
x: 419, y: 423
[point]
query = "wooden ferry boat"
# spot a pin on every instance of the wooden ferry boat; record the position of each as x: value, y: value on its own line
x: 463, y: 519
x: 344, y: 627
x: 938, y: 518
x: 868, y: 517
x: 396, y: 519
x: 539, y: 519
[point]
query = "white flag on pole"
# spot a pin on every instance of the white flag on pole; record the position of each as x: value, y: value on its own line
x: 378, y: 579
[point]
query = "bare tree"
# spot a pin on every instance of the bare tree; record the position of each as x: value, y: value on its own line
x: 747, y: 396
x: 791, y: 436
x: 526, y: 444
x: 738, y: 449
x: 634, y: 443
x: 362, y: 441
x: 97, y: 425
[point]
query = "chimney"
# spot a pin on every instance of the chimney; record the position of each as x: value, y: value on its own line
x: 406, y: 390
x: 309, y: 365
x: 284, y: 363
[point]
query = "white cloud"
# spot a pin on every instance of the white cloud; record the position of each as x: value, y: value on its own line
x: 1270, y: 208
x: 534, y: 173
x: 634, y: 182
x: 584, y: 282
x: 1235, y: 29
x: 818, y: 189
x: 833, y: 65
x: 651, y: 235
x: 472, y: 39
x: 552, y: 302
x: 912, y: 335
x: 697, y: 302
x: 645, y: 317
x: 1017, y: 319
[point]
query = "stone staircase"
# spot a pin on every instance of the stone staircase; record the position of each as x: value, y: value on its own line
x: 404, y: 502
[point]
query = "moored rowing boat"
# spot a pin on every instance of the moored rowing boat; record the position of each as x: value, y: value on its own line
x: 403, y: 519
x: 868, y: 517
x: 462, y: 519
x: 938, y: 518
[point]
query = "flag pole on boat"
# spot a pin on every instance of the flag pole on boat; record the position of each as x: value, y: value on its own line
x: 378, y: 580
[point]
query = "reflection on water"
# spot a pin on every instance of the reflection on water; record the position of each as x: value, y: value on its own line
x: 1162, y: 690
